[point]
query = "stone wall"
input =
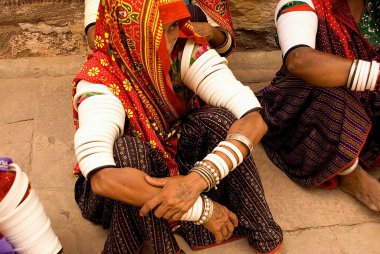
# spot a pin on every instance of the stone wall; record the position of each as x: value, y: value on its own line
x: 55, y: 27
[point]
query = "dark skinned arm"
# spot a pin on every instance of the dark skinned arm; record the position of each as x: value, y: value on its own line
x: 318, y: 68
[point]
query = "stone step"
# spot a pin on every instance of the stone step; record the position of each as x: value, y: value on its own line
x: 248, y: 67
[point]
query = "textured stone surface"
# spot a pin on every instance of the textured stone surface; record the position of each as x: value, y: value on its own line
x: 53, y: 150
x: 41, y: 28
x: 48, y: 27
x: 253, y: 23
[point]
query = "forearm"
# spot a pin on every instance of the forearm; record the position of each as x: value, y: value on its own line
x: 128, y: 185
x: 251, y: 126
x: 318, y: 68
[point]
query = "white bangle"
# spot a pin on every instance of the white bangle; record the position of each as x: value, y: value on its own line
x: 87, y: 87
x: 297, y: 28
x: 219, y: 163
x: 351, y: 75
x: 243, y: 139
x: 227, y: 44
x: 350, y: 169
x: 234, y: 148
x: 186, y: 57
x: 206, y: 60
x: 363, y: 76
x: 195, y: 212
x: 101, y: 122
x: 91, y: 10
x: 356, y: 78
x: 230, y: 156
x: 375, y: 74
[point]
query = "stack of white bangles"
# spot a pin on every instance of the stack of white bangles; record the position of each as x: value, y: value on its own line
x: 23, y: 220
x: 210, y: 78
x: 296, y: 28
x: 363, y: 76
x: 101, y: 122
x: 209, y: 174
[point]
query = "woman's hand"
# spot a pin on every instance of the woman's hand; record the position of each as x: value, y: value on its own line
x: 212, y: 34
x: 222, y: 223
x: 177, y: 196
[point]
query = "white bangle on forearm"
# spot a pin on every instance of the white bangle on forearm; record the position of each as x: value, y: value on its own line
x: 195, y: 212
x: 363, y: 75
x: 220, y: 164
x: 230, y: 156
x: 91, y: 10
x: 234, y: 148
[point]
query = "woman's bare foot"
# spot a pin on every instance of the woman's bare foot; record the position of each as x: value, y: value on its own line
x: 362, y: 186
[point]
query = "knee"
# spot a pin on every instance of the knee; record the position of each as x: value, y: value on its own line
x: 217, y: 119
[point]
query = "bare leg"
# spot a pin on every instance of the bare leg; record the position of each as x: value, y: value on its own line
x: 362, y: 186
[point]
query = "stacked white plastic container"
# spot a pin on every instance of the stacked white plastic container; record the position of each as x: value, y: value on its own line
x: 26, y: 225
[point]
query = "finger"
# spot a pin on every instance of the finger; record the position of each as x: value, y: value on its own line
x: 150, y: 205
x: 224, y: 232
x: 177, y: 216
x: 230, y: 228
x: 157, y: 182
x: 169, y: 214
x: 218, y: 238
x: 161, y: 210
x: 233, y: 218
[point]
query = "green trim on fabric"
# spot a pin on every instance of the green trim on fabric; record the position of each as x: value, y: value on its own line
x: 370, y: 22
x: 289, y: 5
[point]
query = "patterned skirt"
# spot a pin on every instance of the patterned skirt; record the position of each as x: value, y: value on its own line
x: 241, y: 192
x: 315, y: 133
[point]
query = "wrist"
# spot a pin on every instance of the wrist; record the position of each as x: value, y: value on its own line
x: 219, y: 37
x: 197, y: 181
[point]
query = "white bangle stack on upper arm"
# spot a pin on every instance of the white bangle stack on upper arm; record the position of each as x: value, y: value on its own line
x: 101, y: 122
x: 90, y: 12
x: 296, y: 28
x: 210, y: 78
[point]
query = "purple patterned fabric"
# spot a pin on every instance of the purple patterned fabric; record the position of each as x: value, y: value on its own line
x: 241, y: 192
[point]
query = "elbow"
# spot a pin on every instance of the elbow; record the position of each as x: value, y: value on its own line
x: 296, y: 60
x: 263, y: 127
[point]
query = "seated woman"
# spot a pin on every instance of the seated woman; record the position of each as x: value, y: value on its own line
x: 144, y: 138
x: 323, y: 106
x: 211, y: 19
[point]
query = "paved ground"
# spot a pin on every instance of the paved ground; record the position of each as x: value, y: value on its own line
x: 36, y: 131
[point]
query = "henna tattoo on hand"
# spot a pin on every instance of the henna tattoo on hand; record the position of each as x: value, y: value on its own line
x: 183, y: 191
